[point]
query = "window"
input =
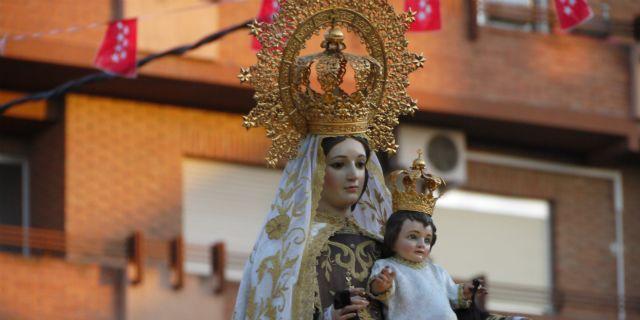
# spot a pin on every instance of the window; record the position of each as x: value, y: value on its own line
x: 523, y: 15
x: 506, y: 239
x: 224, y: 202
x: 14, y: 202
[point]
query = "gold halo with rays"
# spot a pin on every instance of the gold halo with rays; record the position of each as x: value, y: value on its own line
x: 378, y: 27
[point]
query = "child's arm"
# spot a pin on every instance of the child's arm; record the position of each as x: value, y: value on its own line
x: 381, y: 282
x: 459, y: 294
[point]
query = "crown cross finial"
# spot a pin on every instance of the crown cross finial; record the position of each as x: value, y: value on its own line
x: 419, y: 163
x: 333, y: 39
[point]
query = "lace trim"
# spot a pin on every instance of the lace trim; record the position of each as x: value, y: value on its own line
x: 410, y: 264
x: 306, y: 293
x: 331, y: 219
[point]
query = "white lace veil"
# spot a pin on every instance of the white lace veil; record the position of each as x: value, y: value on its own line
x: 271, y: 273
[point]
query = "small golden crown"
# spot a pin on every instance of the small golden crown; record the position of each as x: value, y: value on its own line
x: 416, y: 192
x: 335, y: 112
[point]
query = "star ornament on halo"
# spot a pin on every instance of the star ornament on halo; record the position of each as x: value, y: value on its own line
x: 244, y: 75
x: 117, y: 54
x: 425, y: 14
x: 572, y: 12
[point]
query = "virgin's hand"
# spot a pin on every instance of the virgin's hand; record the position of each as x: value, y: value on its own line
x: 357, y: 303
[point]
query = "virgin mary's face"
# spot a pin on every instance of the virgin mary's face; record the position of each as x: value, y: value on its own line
x: 345, y: 173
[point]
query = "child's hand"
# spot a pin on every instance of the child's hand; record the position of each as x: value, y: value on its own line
x: 467, y: 290
x: 383, y: 281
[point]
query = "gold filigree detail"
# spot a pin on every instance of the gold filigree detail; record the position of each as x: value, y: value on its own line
x: 280, y: 265
x: 332, y: 219
x: 286, y: 105
x: 350, y: 259
x: 411, y: 195
x: 277, y: 226
x: 305, y: 291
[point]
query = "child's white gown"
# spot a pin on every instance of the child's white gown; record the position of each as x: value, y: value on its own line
x: 421, y: 291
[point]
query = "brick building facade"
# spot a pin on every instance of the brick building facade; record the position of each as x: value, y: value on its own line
x: 106, y: 160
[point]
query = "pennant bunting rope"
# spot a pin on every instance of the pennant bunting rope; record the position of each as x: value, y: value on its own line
x: 267, y: 10
x: 101, y: 76
x: 426, y: 14
x: 77, y: 28
x: 39, y: 34
x: 117, y: 54
x: 572, y: 12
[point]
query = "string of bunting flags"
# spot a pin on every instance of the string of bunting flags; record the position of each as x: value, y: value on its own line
x: 101, y: 76
x: 117, y: 53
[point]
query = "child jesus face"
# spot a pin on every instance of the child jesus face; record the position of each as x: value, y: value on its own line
x: 414, y: 241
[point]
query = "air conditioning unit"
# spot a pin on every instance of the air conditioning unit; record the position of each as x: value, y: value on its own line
x: 444, y: 151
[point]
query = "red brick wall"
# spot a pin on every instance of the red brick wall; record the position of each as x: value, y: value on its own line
x: 620, y: 10
x: 123, y: 162
x: 631, y: 179
x: 44, y: 15
x: 46, y: 164
x: 547, y: 71
x: 12, y: 146
x: 49, y: 288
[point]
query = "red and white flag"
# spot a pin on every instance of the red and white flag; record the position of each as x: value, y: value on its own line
x: 427, y: 14
x: 572, y: 12
x: 117, y: 53
x: 267, y: 10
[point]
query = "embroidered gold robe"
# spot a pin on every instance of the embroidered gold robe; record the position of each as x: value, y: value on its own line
x: 344, y: 261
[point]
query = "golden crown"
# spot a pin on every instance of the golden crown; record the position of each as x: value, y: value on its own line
x: 415, y: 191
x: 335, y: 112
x: 289, y: 108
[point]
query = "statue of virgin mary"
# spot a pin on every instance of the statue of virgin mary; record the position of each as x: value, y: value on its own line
x: 323, y: 231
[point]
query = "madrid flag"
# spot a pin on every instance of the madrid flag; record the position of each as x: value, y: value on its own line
x: 267, y: 10
x: 572, y: 12
x: 117, y: 53
x: 427, y: 14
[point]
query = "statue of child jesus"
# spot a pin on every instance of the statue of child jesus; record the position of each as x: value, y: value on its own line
x: 408, y: 283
